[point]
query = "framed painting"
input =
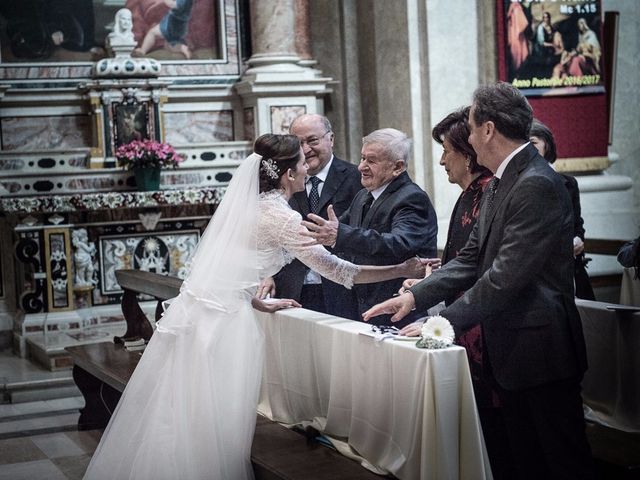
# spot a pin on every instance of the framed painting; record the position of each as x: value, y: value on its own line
x: 131, y: 122
x: 554, y: 48
x: 62, y: 39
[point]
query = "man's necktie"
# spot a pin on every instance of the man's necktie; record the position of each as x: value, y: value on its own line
x: 314, y: 196
x: 367, y: 204
x: 493, y: 187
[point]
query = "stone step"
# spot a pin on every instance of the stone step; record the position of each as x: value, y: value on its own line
x: 37, y: 390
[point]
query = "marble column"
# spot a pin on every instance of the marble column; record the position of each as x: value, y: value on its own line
x: 302, y: 32
x: 273, y: 28
x: 280, y: 83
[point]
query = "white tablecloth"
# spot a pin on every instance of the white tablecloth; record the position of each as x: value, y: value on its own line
x: 611, y: 385
x: 407, y: 410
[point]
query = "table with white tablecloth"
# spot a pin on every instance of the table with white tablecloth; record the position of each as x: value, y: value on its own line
x: 611, y: 384
x: 406, y: 410
x: 630, y: 288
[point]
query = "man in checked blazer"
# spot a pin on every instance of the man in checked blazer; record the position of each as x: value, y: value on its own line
x: 389, y: 221
x: 337, y: 182
x: 517, y: 274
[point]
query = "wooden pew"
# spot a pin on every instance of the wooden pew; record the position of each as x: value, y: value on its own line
x: 133, y: 282
x: 101, y: 372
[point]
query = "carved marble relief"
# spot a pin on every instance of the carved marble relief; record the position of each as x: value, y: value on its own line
x: 165, y: 253
x: 58, y: 268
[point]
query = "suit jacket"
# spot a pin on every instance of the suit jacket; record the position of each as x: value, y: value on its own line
x: 517, y: 273
x: 401, y: 223
x: 341, y: 185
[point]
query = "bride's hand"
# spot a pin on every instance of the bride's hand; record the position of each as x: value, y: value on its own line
x: 273, y: 305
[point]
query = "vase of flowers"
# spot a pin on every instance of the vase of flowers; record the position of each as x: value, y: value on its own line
x: 146, y: 158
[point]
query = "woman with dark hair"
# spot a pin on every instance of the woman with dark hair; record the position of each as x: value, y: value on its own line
x: 542, y: 138
x: 460, y: 162
x: 189, y: 410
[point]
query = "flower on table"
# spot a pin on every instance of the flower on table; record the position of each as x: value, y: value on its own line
x: 148, y: 154
x: 436, y: 332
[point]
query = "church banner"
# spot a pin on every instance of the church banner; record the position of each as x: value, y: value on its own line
x: 554, y: 47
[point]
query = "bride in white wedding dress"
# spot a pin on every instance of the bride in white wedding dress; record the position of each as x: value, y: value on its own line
x: 189, y: 410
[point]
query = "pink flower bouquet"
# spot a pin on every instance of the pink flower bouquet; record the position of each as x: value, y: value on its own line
x: 148, y: 154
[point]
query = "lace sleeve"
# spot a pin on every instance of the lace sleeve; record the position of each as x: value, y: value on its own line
x: 315, y: 257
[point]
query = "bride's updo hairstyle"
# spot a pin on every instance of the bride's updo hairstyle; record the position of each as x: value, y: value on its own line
x: 279, y: 154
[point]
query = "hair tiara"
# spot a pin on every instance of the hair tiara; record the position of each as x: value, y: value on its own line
x: 270, y: 168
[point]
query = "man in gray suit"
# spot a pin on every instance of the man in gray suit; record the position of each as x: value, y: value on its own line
x: 517, y: 274
x: 331, y: 181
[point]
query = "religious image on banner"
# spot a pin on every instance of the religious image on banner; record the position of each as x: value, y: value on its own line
x: 554, y: 47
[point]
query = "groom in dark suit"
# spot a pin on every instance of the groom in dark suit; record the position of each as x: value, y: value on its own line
x: 330, y: 181
x: 517, y: 274
x: 389, y: 221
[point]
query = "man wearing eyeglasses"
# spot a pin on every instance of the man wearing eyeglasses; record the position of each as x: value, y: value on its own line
x: 330, y: 181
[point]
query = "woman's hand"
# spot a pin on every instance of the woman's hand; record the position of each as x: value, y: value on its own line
x: 411, y: 330
x: 273, y: 305
x: 416, y: 267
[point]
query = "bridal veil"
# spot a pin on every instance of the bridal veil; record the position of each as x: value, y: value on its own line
x: 189, y: 409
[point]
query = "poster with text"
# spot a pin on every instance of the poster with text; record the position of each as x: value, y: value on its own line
x: 554, y: 47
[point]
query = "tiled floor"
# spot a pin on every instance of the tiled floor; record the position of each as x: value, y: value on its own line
x: 39, y: 440
x: 63, y: 455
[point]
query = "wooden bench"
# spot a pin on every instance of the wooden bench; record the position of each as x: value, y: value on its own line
x: 101, y: 372
x: 134, y: 282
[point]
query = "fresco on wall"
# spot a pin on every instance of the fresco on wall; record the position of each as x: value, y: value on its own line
x: 554, y: 48
x: 75, y: 30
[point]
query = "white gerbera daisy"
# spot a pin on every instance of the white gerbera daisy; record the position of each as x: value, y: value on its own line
x: 436, y: 332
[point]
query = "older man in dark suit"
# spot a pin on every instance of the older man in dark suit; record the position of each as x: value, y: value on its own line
x: 390, y: 220
x: 517, y: 273
x: 330, y: 181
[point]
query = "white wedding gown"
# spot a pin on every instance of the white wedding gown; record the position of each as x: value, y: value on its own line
x: 189, y: 410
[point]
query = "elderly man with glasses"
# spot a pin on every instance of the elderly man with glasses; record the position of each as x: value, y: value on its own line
x: 330, y: 181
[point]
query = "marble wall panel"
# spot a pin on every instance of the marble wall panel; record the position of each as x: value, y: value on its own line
x: 46, y: 133
x: 186, y: 128
x: 165, y: 253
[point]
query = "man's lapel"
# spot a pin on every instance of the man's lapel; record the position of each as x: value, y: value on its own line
x: 395, y: 184
x: 508, y: 180
x: 356, y: 208
x: 332, y: 184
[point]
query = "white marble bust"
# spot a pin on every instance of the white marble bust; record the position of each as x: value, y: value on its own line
x: 122, y: 34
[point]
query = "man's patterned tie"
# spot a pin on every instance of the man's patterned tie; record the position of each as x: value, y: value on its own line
x: 314, y: 197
